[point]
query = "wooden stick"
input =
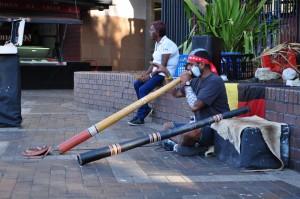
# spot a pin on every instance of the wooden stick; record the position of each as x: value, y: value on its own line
x: 100, y: 126
x: 115, y: 149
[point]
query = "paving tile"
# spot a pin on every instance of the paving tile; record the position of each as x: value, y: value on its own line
x: 50, y: 117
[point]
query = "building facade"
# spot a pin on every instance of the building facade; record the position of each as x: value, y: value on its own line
x: 81, y: 35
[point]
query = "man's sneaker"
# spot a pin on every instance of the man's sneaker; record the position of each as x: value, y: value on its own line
x: 136, y: 121
x: 189, y: 151
x: 150, y: 112
x: 168, y: 144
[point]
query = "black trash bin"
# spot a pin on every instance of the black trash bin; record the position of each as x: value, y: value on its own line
x: 212, y: 45
x: 10, y: 90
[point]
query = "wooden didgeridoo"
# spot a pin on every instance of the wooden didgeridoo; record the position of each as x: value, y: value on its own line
x: 115, y: 149
x: 97, y: 128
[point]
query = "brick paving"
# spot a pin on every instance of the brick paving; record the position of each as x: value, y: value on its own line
x: 50, y: 117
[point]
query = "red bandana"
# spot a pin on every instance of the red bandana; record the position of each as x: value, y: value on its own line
x: 194, y: 58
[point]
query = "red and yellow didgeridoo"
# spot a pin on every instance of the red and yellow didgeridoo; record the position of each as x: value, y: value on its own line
x: 100, y: 126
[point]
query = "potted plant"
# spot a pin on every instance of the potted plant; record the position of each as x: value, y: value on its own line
x: 240, y: 25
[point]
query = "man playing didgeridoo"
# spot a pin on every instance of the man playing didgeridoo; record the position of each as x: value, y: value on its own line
x: 206, y: 96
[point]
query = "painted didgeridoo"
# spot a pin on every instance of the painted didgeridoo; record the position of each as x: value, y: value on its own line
x: 97, y: 128
x: 115, y: 149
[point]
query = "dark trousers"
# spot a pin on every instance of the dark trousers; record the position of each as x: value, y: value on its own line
x: 142, y: 89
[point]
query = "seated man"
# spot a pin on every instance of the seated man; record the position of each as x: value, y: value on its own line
x: 206, y: 96
x: 165, y: 53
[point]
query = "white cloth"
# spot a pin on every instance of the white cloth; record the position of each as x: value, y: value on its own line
x: 166, y: 46
x: 231, y: 129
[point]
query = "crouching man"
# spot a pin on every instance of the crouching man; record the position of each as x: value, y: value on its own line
x: 206, y: 96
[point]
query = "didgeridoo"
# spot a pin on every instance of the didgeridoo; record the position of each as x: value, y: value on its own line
x: 115, y: 149
x: 97, y: 128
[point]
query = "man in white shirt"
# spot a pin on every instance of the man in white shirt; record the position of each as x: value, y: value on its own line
x: 165, y: 53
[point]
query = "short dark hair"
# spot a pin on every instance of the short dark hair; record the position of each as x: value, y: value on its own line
x: 160, y: 28
x: 203, y: 54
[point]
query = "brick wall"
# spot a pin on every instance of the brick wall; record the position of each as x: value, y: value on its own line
x: 283, y: 105
x: 111, y: 92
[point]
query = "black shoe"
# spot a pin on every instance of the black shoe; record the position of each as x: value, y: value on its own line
x: 189, y: 151
x: 136, y: 121
x: 168, y: 144
x: 149, y: 113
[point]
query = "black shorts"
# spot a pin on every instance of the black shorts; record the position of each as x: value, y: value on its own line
x: 207, y: 134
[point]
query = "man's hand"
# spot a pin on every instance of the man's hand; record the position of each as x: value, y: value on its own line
x: 144, y: 78
x: 160, y: 68
x: 185, y: 76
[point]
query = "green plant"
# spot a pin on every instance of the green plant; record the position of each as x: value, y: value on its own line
x: 187, y: 45
x: 237, y: 24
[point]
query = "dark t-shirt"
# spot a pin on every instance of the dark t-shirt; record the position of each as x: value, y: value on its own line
x: 212, y: 92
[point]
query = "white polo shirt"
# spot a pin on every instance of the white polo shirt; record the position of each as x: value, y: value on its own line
x: 166, y: 46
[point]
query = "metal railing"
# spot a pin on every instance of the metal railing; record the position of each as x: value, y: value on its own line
x: 287, y: 10
x: 176, y: 21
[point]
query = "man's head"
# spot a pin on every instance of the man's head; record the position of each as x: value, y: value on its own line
x: 198, y: 62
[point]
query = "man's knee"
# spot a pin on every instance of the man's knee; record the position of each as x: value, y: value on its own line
x: 137, y: 84
x: 190, y: 138
x: 207, y: 136
x: 168, y: 125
